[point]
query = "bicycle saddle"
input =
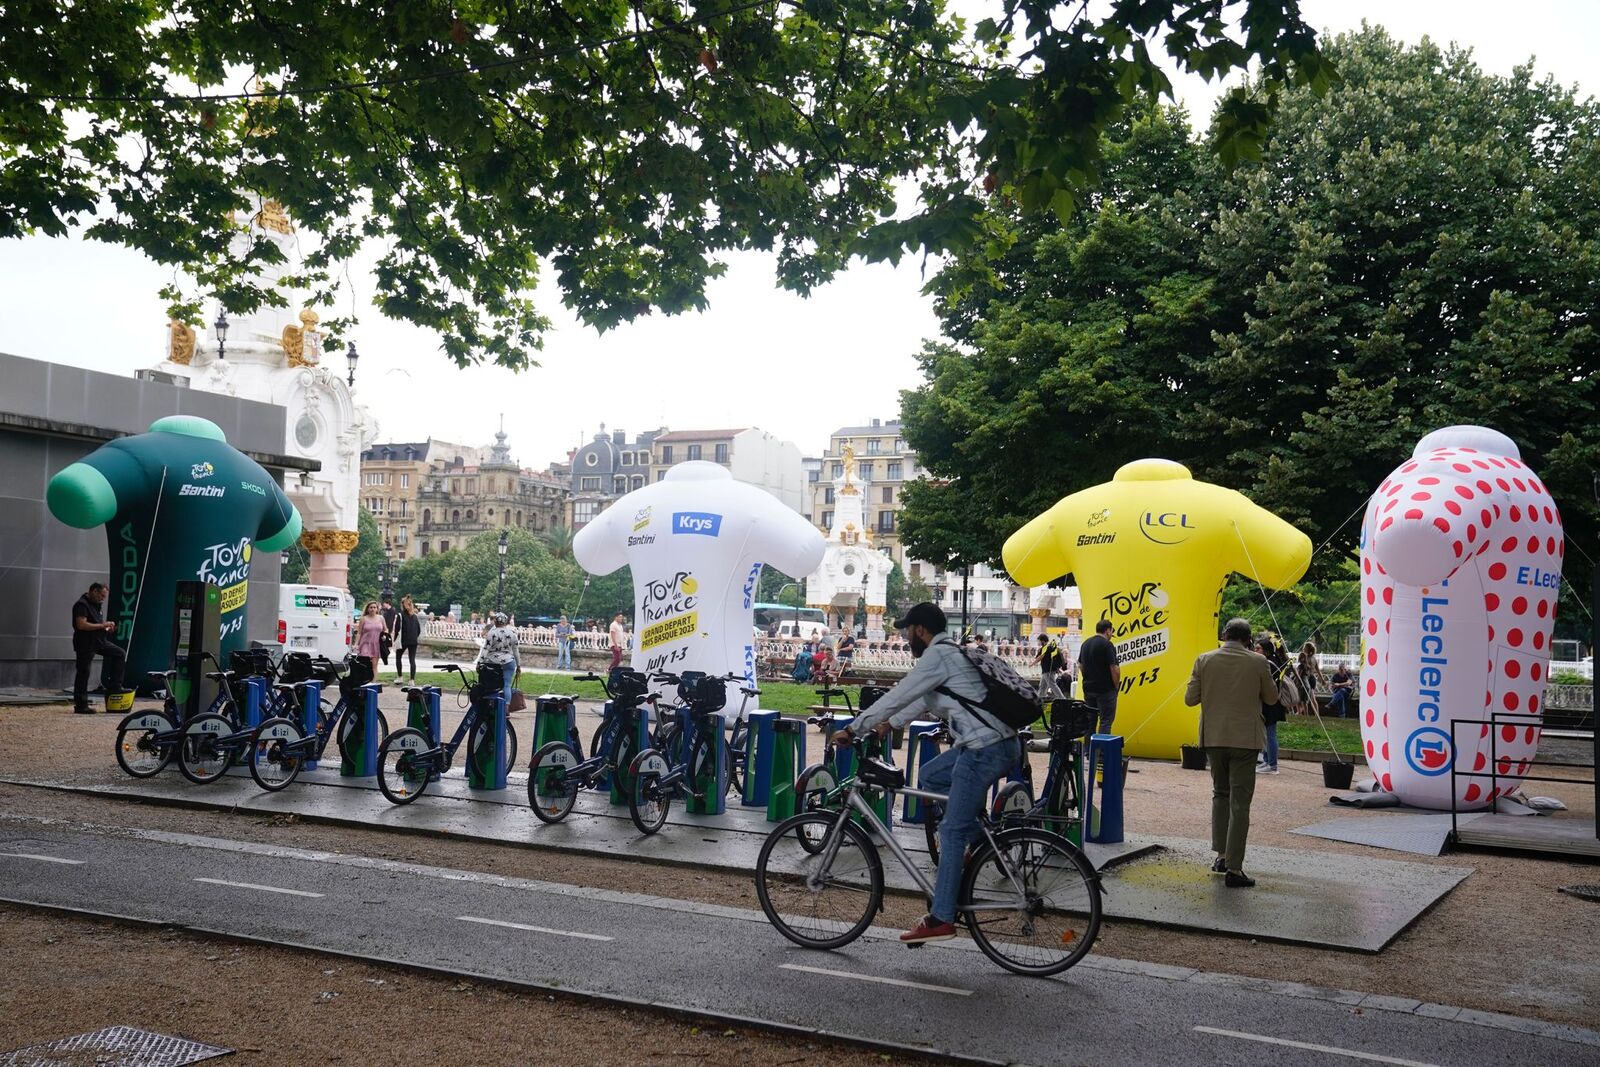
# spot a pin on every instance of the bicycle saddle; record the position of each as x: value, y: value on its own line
x: 876, y: 772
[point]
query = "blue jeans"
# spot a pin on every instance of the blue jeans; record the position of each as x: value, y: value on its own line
x: 511, y: 674
x: 966, y: 775
x: 1270, y: 756
x: 563, y: 654
x: 1338, y: 704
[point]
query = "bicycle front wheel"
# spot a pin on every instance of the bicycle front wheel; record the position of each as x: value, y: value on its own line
x: 273, y: 763
x: 1051, y: 923
x: 649, y: 803
x: 812, y: 905
x: 552, y: 791
x: 403, y: 773
x: 138, y: 752
x: 199, y: 757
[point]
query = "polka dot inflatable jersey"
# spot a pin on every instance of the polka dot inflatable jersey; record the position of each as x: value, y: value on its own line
x: 1461, y: 556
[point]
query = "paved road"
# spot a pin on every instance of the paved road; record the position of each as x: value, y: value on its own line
x: 727, y: 960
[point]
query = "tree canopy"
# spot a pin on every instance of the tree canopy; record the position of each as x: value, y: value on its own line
x: 624, y: 146
x: 1417, y: 249
x: 538, y: 583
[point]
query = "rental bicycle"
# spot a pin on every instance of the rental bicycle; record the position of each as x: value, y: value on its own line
x: 1058, y: 806
x: 409, y: 759
x: 147, y: 740
x: 822, y: 784
x: 558, y: 770
x: 1030, y: 898
x: 281, y: 748
x: 658, y: 776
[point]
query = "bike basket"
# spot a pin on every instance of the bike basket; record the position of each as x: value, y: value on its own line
x: 1071, y: 718
x: 296, y: 667
x: 709, y: 694
x: 627, y: 685
x: 870, y: 695
x: 360, y: 672
x: 687, y: 680
x: 250, y: 661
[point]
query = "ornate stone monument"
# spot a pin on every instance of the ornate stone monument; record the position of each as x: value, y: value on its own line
x: 852, y: 570
x: 275, y: 355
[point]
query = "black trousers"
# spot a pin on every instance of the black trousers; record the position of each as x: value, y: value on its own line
x: 400, y: 653
x: 116, y: 660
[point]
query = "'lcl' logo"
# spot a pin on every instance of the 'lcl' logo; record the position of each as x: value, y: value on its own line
x: 1166, y: 528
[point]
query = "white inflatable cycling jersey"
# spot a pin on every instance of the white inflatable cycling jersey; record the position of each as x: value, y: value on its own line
x: 1461, y: 557
x: 696, y: 542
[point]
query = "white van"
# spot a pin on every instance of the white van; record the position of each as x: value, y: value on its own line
x: 315, y: 619
x: 786, y: 630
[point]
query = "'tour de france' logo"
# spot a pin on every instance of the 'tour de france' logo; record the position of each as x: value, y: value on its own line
x: 201, y: 470
x: 1428, y: 751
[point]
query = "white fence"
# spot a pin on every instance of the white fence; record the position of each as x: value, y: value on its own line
x: 466, y: 633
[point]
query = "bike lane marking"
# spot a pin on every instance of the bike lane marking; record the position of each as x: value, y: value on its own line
x: 259, y: 888
x: 533, y: 929
x: 876, y: 978
x: 1371, y: 1057
x: 40, y: 858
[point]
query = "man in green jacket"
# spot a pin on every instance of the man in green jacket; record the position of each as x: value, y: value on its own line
x: 1231, y: 684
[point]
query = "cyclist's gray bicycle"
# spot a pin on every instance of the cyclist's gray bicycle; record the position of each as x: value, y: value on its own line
x: 1030, y: 898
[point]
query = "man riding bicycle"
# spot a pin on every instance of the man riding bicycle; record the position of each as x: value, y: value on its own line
x: 985, y: 749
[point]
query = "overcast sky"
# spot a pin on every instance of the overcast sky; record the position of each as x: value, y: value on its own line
x: 798, y: 367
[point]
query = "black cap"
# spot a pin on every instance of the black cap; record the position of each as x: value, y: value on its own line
x: 924, y: 614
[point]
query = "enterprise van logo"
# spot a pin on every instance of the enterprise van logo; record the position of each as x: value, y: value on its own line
x: 1428, y: 751
x: 696, y: 522
x: 201, y: 490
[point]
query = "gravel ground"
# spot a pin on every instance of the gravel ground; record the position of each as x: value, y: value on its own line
x: 1477, y: 948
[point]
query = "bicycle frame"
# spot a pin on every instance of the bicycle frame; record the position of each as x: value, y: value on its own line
x: 830, y: 847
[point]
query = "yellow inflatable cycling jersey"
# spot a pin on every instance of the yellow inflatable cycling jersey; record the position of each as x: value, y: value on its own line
x: 1150, y: 550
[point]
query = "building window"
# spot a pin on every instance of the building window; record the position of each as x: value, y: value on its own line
x: 722, y: 453
x: 591, y: 459
x: 838, y: 470
x: 873, y: 444
x: 427, y: 517
x: 827, y: 495
x: 506, y: 519
x: 619, y: 485
x: 455, y: 516
x: 405, y: 481
x: 583, y: 511
x: 491, y: 513
x: 643, y: 459
x: 400, y: 536
x: 519, y: 518
x: 892, y: 472
x: 660, y: 475
x: 814, y: 476
x: 899, y: 445
x: 472, y: 486
x: 591, y: 485
x: 916, y: 570
x: 638, y: 481
x: 469, y: 514
x: 444, y: 546
x: 693, y: 452
x: 991, y: 598
x: 627, y: 459
x: 827, y: 519
x: 666, y: 453
x: 888, y: 494
x: 864, y: 471
x: 886, y: 522
x: 424, y: 548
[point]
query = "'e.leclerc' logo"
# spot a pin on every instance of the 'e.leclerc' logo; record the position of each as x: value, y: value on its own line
x: 1428, y: 751
x: 696, y: 522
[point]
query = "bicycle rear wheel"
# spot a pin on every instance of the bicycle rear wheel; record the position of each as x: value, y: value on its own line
x: 1052, y: 926
x: 812, y: 907
x: 272, y: 764
x: 402, y: 773
x: 648, y: 803
x: 138, y: 753
x: 199, y: 758
x: 551, y: 792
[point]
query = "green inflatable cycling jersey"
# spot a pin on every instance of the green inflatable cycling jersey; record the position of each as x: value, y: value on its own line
x: 178, y: 503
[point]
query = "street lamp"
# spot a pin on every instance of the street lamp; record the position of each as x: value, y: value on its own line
x: 500, y: 590
x: 966, y: 596
x: 221, y: 328
x: 386, y: 571
x: 351, y: 356
x: 865, y: 578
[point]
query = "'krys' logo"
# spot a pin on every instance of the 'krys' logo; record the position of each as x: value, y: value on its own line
x: 696, y: 522
x: 201, y: 470
x: 1428, y: 751
x: 226, y: 564
x: 1166, y: 527
x: 750, y: 587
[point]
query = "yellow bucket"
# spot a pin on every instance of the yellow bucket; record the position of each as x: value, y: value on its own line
x: 119, y: 700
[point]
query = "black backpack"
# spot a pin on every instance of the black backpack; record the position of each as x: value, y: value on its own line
x: 1007, y: 696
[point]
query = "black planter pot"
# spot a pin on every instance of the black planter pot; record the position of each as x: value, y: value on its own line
x: 1337, y: 774
x: 1193, y: 757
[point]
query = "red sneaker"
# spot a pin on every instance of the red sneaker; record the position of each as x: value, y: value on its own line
x: 929, y: 929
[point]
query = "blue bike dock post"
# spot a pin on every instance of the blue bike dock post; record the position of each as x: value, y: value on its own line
x: 360, y: 758
x: 422, y: 713
x: 487, y: 770
x: 711, y: 783
x: 788, y: 756
x: 844, y: 758
x: 922, y: 745
x: 607, y: 782
x: 310, y: 704
x: 1103, y: 819
x: 255, y: 700
x: 758, y: 759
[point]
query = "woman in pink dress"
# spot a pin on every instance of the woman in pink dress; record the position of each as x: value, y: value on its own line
x: 369, y: 635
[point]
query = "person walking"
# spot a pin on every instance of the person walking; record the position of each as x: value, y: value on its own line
x: 391, y: 630
x: 370, y: 629
x: 500, y: 653
x: 407, y: 636
x: 944, y: 684
x: 1049, y: 659
x: 1230, y: 685
x: 1274, y: 713
x: 619, y: 635
x: 563, y: 645
x: 89, y: 630
x: 1101, y: 674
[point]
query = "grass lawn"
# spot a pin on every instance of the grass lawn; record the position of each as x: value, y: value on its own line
x: 1303, y: 732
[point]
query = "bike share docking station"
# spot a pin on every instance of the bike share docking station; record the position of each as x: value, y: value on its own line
x: 422, y: 713
x: 359, y: 755
x: 788, y: 759
x: 759, y: 743
x: 1102, y: 820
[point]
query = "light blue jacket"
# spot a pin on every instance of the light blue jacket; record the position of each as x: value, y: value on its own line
x: 941, y: 665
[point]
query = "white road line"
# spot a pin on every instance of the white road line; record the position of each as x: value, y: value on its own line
x: 1371, y: 1057
x: 533, y: 929
x: 875, y: 978
x: 261, y: 888
x: 41, y: 859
